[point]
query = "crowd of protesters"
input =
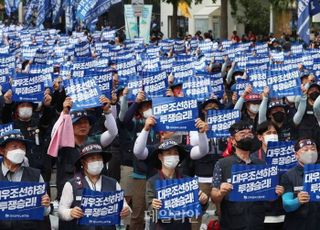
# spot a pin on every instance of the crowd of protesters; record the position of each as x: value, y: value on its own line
x: 115, y: 146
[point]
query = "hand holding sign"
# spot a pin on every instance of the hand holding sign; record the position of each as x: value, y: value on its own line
x: 67, y: 104
x: 248, y: 90
x: 156, y: 204
x: 149, y: 123
x: 279, y: 190
x: 76, y: 213
x: 202, y: 126
x: 47, y: 100
x: 203, y: 198
x: 125, y: 212
x: 225, y: 188
x: 45, y: 201
x: 8, y: 97
x: 106, y: 103
x: 303, y: 197
x: 140, y: 97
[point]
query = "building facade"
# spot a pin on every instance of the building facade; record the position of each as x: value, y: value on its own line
x: 204, y: 17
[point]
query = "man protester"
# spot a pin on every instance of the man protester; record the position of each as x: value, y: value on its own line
x: 300, y: 213
x: 13, y: 168
x: 237, y: 215
x: 82, y: 123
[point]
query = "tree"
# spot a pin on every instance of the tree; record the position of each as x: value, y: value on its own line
x: 224, y: 19
x: 282, y: 4
x: 254, y: 15
x: 175, y: 13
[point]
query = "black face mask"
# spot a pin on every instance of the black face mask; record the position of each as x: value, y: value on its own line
x: 245, y: 144
x: 279, y: 116
x: 314, y: 95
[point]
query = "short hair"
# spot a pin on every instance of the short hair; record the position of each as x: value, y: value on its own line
x: 265, y: 126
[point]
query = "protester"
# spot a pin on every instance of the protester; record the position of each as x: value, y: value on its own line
x: 237, y: 215
x: 88, y: 175
x: 166, y: 159
x: 14, y: 168
x: 268, y: 132
x: 51, y: 87
x: 81, y: 126
x: 300, y: 213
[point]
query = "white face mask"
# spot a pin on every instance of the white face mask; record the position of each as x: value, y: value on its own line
x: 270, y: 138
x: 147, y: 113
x: 25, y: 112
x: 254, y: 108
x: 16, y: 156
x: 171, y: 162
x: 309, y: 157
x: 95, y: 167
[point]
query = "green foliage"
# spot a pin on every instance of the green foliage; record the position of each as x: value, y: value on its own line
x: 281, y: 4
x: 254, y: 15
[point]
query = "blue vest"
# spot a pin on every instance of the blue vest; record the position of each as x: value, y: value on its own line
x: 29, y: 175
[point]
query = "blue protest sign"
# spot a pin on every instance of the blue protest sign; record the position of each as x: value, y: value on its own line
x: 199, y: 88
x: 155, y: 85
x: 258, y: 79
x: 5, y: 128
x: 8, y: 61
x: 179, y: 198
x: 217, y: 85
x: 82, y: 50
x: 28, y: 87
x: 101, y: 208
x: 175, y: 113
x: 284, y: 83
x: 241, y: 85
x: 219, y: 122
x: 103, y: 80
x: 5, y: 83
x: 312, y: 181
x: 108, y: 35
x: 182, y: 71
x: 84, y: 93
x: 258, y: 62
x: 281, y: 154
x: 253, y: 183
x: 21, y: 200
x: 277, y: 56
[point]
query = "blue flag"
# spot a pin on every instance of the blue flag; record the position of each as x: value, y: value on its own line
x: 69, y: 14
x: 33, y: 5
x: 21, y: 200
x: 84, y: 93
x: 314, y: 7
x: 219, y: 122
x: 41, y: 12
x: 303, y: 20
x: 253, y: 183
x: 281, y: 153
x: 312, y: 181
x: 101, y: 208
x: 175, y: 113
x: 57, y: 10
x: 7, y: 5
x: 179, y: 198
x: 83, y: 9
x: 100, y: 8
